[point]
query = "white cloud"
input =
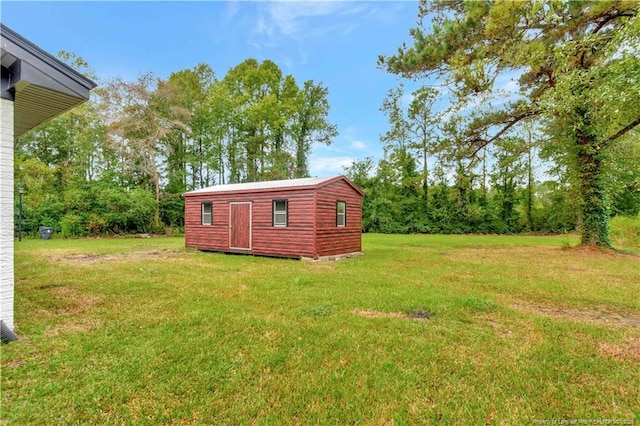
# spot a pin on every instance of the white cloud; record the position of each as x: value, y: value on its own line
x: 328, y: 166
x: 304, y: 58
x: 350, y: 140
x: 333, y: 148
x: 263, y: 27
x: 306, y: 20
x: 284, y: 24
x: 356, y: 144
x: 229, y: 14
x: 295, y: 18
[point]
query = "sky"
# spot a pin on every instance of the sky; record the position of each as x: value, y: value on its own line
x: 333, y: 42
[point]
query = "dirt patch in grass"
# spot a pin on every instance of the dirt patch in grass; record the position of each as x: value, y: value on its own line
x: 15, y: 363
x: 377, y: 314
x: 48, y: 286
x: 68, y: 300
x: 85, y: 325
x: 499, y: 328
x: 593, y: 316
x: 419, y: 314
x: 72, y: 294
x: 537, y: 257
x: 598, y: 251
x: 628, y: 351
x: 91, y: 258
x: 488, y: 253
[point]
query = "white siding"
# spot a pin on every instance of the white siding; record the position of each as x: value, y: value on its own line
x: 6, y: 212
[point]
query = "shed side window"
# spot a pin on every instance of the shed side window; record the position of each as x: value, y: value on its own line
x: 206, y: 213
x: 341, y: 213
x: 280, y: 213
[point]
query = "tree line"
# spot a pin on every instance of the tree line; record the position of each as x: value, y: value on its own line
x: 576, y: 66
x: 558, y: 153
x: 427, y: 182
x: 120, y: 162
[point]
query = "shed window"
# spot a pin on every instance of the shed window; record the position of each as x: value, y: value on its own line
x: 206, y: 213
x: 341, y: 213
x: 280, y: 212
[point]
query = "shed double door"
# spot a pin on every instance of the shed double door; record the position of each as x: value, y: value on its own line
x: 240, y: 226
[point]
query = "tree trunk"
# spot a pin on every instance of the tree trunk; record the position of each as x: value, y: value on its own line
x: 183, y: 159
x: 594, y: 212
x: 425, y: 175
x: 484, y: 176
x: 593, y: 209
x: 301, y: 159
x: 200, y: 161
x: 529, y: 186
x: 156, y: 184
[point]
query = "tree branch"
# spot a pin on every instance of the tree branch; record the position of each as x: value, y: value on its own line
x: 481, y: 142
x: 622, y: 131
x: 608, y: 18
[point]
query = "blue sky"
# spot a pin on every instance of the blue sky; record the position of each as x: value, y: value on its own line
x: 336, y: 43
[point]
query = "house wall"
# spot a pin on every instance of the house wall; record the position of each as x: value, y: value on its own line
x: 295, y: 240
x: 6, y: 212
x: 331, y: 239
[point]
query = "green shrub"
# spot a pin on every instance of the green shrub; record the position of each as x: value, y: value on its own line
x: 73, y: 225
x: 625, y: 232
x: 96, y: 224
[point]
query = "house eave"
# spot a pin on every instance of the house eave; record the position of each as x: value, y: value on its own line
x: 40, y: 85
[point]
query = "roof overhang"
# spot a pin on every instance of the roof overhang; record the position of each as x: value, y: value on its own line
x: 271, y: 186
x: 40, y: 85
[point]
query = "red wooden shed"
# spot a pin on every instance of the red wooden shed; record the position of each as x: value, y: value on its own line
x: 300, y: 218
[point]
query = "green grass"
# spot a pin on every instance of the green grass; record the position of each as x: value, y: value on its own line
x: 419, y: 330
x: 625, y: 233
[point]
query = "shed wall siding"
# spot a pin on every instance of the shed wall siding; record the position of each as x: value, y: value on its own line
x: 331, y: 239
x: 209, y: 237
x: 6, y: 212
x: 295, y: 240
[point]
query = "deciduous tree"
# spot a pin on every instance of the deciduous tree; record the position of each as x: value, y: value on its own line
x: 578, y: 64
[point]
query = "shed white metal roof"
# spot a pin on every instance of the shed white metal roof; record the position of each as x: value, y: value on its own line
x: 272, y: 184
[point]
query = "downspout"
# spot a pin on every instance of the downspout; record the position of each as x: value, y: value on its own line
x: 6, y: 334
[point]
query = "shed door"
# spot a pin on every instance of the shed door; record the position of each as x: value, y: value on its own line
x: 240, y: 226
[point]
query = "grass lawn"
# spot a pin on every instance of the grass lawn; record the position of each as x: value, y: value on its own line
x: 419, y: 330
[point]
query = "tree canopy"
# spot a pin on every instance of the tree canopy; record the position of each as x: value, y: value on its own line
x: 120, y: 162
x: 577, y: 67
x: 524, y: 118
